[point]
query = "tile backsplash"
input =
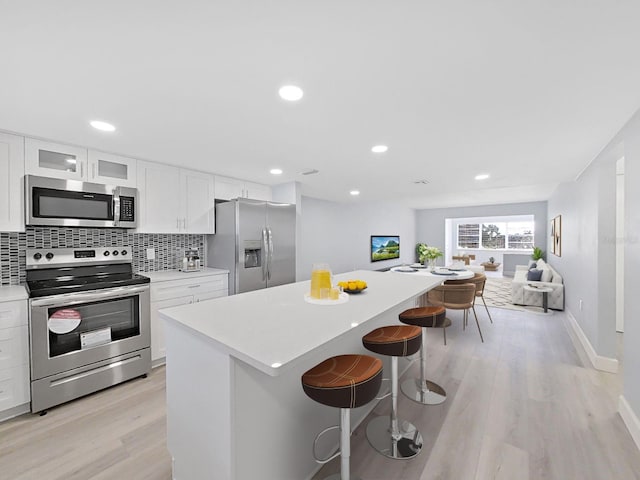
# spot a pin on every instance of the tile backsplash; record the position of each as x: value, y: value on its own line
x: 167, y: 246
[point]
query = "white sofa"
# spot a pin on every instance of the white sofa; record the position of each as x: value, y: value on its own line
x: 520, y: 296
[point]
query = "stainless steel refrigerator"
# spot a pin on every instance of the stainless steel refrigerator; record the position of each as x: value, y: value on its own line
x: 255, y: 241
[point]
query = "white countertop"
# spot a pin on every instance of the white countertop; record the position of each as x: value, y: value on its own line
x: 270, y: 328
x: 13, y: 292
x: 168, y: 275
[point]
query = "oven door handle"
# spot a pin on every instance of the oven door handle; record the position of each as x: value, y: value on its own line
x: 84, y: 297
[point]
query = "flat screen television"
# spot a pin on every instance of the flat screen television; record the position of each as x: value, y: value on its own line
x: 384, y: 247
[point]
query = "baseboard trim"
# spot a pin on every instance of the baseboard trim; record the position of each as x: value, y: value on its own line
x: 605, y: 364
x: 630, y: 419
x: 14, y: 412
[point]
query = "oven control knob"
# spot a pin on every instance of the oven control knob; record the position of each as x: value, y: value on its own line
x: 123, y: 252
x: 37, y: 256
x: 106, y: 253
x: 115, y: 252
x: 49, y: 256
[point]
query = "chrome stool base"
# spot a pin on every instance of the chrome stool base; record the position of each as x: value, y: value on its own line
x: 433, y: 394
x: 407, y: 446
x: 338, y: 476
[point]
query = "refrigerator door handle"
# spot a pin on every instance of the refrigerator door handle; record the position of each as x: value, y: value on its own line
x: 270, y: 253
x: 265, y: 254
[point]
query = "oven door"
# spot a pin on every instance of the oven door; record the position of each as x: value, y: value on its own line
x: 77, y: 329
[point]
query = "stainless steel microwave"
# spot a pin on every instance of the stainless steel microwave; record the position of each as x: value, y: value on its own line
x: 72, y: 203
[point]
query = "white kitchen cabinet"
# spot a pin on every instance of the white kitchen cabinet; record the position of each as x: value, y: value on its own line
x: 158, y: 198
x: 11, y: 183
x: 111, y: 169
x: 257, y: 191
x: 181, y: 291
x: 174, y: 200
x: 48, y: 159
x: 228, y: 188
x: 14, y: 357
x: 196, y: 192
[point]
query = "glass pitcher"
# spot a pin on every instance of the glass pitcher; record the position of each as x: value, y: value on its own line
x: 320, y: 280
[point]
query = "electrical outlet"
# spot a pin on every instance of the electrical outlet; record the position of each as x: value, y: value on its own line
x: 580, y: 305
x: 151, y: 255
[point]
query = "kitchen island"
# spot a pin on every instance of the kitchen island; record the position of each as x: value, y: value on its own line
x: 235, y: 406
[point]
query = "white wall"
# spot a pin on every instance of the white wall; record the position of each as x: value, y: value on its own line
x: 588, y: 252
x: 339, y: 234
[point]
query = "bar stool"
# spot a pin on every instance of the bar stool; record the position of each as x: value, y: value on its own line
x: 344, y: 382
x: 390, y: 436
x: 420, y: 389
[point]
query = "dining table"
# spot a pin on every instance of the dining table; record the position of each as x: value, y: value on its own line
x: 446, y: 273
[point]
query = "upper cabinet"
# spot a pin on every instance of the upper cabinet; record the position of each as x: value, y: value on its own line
x: 174, y: 200
x: 55, y: 160
x: 48, y: 159
x: 228, y: 188
x: 11, y: 184
x: 111, y: 169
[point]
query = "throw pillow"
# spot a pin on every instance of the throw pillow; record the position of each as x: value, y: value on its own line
x: 533, y: 265
x: 541, y: 263
x: 547, y: 275
x: 534, y: 275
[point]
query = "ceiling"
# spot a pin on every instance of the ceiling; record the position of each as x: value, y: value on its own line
x: 528, y: 92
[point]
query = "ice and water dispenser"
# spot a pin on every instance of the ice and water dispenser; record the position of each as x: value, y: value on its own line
x: 252, y: 253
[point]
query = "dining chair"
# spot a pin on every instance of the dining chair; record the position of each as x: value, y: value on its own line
x: 456, y: 297
x: 479, y: 280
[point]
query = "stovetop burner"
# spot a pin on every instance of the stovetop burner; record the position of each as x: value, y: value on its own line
x: 61, y: 271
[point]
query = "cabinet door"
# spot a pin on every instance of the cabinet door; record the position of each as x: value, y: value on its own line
x: 158, y: 347
x: 228, y: 188
x: 112, y: 169
x: 210, y: 295
x: 11, y: 183
x: 54, y: 160
x: 257, y: 191
x: 158, y: 198
x: 196, y: 189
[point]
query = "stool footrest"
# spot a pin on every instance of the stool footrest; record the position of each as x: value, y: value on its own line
x: 315, y: 442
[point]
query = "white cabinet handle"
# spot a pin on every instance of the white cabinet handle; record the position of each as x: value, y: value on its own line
x: 194, y: 286
x: 184, y: 224
x: 93, y: 171
x: 177, y: 223
x: 81, y: 170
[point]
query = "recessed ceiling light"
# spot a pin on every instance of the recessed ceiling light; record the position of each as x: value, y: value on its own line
x: 276, y: 365
x: 355, y: 192
x: 275, y: 171
x: 379, y: 149
x: 292, y: 93
x: 482, y: 176
x: 103, y: 126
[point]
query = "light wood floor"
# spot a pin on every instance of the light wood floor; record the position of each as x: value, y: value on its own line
x: 523, y: 405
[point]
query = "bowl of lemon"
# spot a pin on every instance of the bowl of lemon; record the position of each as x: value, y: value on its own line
x: 353, y: 286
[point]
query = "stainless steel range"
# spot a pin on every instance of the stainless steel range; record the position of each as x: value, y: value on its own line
x: 88, y: 323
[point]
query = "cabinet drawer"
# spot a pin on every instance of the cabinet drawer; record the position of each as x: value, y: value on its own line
x: 193, y: 286
x: 14, y: 387
x: 14, y: 347
x: 13, y: 314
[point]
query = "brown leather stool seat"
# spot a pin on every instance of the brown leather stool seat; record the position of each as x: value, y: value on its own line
x: 430, y: 316
x: 420, y: 389
x: 344, y: 381
x: 394, y: 340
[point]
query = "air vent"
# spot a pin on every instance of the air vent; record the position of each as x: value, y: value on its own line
x: 310, y: 171
x: 421, y: 182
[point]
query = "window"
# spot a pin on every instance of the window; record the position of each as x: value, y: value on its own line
x: 516, y: 235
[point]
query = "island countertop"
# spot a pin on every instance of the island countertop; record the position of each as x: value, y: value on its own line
x: 269, y: 329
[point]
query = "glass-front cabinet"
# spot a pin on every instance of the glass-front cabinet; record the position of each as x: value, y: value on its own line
x: 112, y: 169
x: 54, y: 160
x: 48, y: 159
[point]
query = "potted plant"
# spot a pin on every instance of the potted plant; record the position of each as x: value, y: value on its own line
x: 421, y: 249
x: 537, y: 254
x: 431, y: 254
